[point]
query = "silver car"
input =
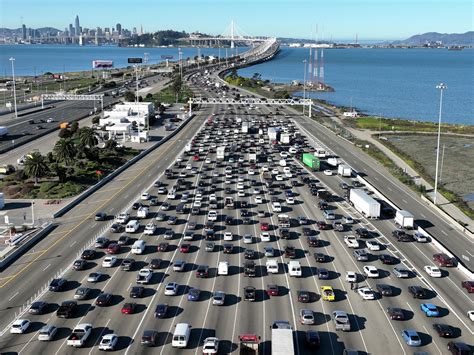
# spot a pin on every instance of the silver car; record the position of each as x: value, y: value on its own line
x: 82, y: 293
x: 47, y: 333
x: 218, y: 298
x: 306, y: 316
x: 401, y: 272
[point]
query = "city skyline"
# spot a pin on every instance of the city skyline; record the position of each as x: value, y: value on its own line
x: 341, y: 19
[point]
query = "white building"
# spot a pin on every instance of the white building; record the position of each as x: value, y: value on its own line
x: 129, y: 112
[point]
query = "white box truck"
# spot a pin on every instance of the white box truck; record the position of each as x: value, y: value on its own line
x: 364, y: 203
x: 285, y: 138
x: 282, y: 338
x: 272, y: 134
x: 344, y: 170
x: 245, y: 127
x: 404, y: 219
x: 220, y: 152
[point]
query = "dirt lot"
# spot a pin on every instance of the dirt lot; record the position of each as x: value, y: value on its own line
x: 458, y: 164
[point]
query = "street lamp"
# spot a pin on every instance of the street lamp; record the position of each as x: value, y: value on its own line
x: 441, y: 87
x: 14, y: 84
x: 304, y: 82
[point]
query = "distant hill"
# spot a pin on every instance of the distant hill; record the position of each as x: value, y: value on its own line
x: 448, y: 39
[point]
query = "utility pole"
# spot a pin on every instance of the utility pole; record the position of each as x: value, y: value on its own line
x: 304, y: 82
x: 14, y: 85
x: 441, y: 87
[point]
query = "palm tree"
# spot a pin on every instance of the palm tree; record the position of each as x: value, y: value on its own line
x: 111, y: 145
x: 35, y: 166
x: 87, y: 137
x: 65, y: 151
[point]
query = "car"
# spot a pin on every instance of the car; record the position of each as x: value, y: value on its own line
x: 429, y: 309
x: 249, y: 293
x: 313, y: 241
x: 202, y: 271
x: 265, y: 237
x: 88, y: 254
x: 149, y: 337
x: 228, y: 248
x: 433, y: 271
x: 320, y: 257
x: 269, y: 251
x: 100, y: 216
x: 417, y: 291
x: 264, y: 226
x: 38, y: 307
x: 218, y: 298
x: 155, y: 263
x: 384, y: 289
x: 348, y: 220
x: 179, y: 265
x: 210, y: 246
x: 323, y: 273
x: 327, y: 172
x: 459, y: 348
x: 396, y: 313
x: 272, y: 290
x: 372, y: 245
x: 470, y: 315
x: 327, y: 293
x: 468, y: 285
x: 113, y: 248
x: 387, y: 259
x: 258, y: 199
x: 124, y: 240
x: 20, y: 326
x: 361, y: 254
x: 108, y: 342
x: 185, y: 247
x: 171, y: 289
x: 127, y: 264
x: 101, y: 243
x: 109, y: 261
x: 247, y: 239
x: 323, y: 225
x: 94, y: 277
x: 307, y: 316
x: 128, y: 308
x: 57, y: 284
x: 420, y: 237
x: 161, y: 310
x: 104, y: 299
x: 172, y: 220
x: 163, y: 246
x: 411, y: 337
x: 362, y: 232
x: 194, y: 294
x: 312, y: 339
x: 444, y: 330
x: 117, y: 228
x: 47, y: 332
x: 351, y: 276
x: 160, y: 216
x: 401, y: 273
x: 303, y: 296
x: 210, y: 346
x: 145, y: 196
x: 79, y: 264
x: 228, y: 236
x: 82, y: 292
x: 402, y: 236
x: 137, y: 292
x: 137, y: 205
x: 366, y: 293
x: 371, y: 271
x: 250, y: 254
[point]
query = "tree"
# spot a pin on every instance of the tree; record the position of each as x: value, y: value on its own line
x: 35, y: 166
x: 87, y: 137
x: 59, y: 171
x: 233, y: 73
x: 129, y: 96
x: 74, y: 127
x: 64, y: 133
x: 96, y: 119
x: 177, y: 84
x: 149, y: 96
x: 111, y: 145
x: 65, y: 151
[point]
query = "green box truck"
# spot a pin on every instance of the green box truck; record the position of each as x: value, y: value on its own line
x: 311, y: 161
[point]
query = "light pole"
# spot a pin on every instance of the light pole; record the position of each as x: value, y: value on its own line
x: 304, y: 82
x: 14, y: 85
x: 441, y: 87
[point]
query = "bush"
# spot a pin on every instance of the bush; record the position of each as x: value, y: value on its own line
x: 64, y: 133
x: 95, y: 119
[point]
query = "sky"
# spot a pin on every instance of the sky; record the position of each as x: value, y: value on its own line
x: 312, y: 19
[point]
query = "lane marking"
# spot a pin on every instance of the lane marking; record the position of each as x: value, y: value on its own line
x: 12, y: 297
x: 46, y: 268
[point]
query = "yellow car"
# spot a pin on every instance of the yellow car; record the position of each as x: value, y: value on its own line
x: 327, y: 293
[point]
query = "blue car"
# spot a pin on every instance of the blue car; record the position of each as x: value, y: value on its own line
x: 411, y: 337
x: 193, y: 294
x: 430, y: 309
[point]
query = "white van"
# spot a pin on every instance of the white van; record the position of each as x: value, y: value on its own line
x: 138, y: 247
x: 123, y: 218
x: 181, y: 335
x: 294, y: 268
x: 276, y: 206
x: 272, y: 266
x: 223, y: 268
x: 132, y: 226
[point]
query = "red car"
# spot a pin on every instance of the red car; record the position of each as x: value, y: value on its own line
x: 196, y: 158
x: 443, y: 260
x: 264, y: 226
x: 468, y: 285
x: 128, y: 308
x: 113, y: 248
x: 184, y: 248
x: 272, y: 290
x: 323, y: 225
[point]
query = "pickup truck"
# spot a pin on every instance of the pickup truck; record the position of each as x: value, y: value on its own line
x: 79, y: 335
x: 144, y: 276
x: 341, y: 321
x: 351, y: 241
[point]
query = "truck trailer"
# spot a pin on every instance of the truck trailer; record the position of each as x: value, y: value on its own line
x: 364, y: 203
x: 282, y: 338
x: 404, y: 219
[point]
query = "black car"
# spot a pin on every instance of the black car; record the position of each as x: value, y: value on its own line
x: 249, y: 254
x: 323, y: 273
x: 246, y: 220
x: 320, y: 257
x: 384, y: 290
x: 161, y: 310
x: 402, y: 236
x: 244, y: 213
x: 417, y: 291
x: 124, y: 240
x: 388, y: 259
x: 136, y: 205
x: 137, y: 291
x: 117, y: 228
x: 79, y: 264
x: 104, y: 299
x: 127, y: 264
x: 444, y: 330
x: 101, y: 242
x: 249, y: 293
x: 229, y: 220
x: 228, y: 248
x: 155, y: 263
x: 307, y: 231
x: 38, y: 307
x: 149, y: 338
x: 57, y: 285
x: 202, y: 271
x: 284, y: 233
x: 313, y: 241
x: 174, y: 219
x: 362, y: 232
x: 303, y: 296
x: 244, y: 204
x: 88, y: 254
x: 66, y: 309
x: 100, y: 216
x: 312, y: 339
x: 396, y: 313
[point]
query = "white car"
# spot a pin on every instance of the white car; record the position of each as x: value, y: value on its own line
x: 264, y: 168
x: 212, y: 216
x: 351, y: 276
x: 288, y: 174
x: 108, y: 342
x: 470, y: 314
x: 327, y: 172
x: 150, y: 228
x: 279, y: 178
x: 258, y: 199
x: 265, y: 236
x: 49, y: 120
x: 348, y: 220
x: 247, y: 239
x: 290, y: 200
x: 286, y: 169
x: 94, y: 277
x: 189, y: 167
x: 275, y: 171
x: 366, y: 293
x: 351, y: 241
x: 241, y: 193
x: 284, y: 154
x: 240, y: 186
x: 256, y: 191
x: 179, y: 265
x: 276, y: 206
x: 211, y: 346
x: 171, y: 289
x: 251, y: 172
x: 208, y: 161
x: 371, y: 271
x: 372, y: 245
x: 197, y: 203
x: 433, y: 271
x: 212, y: 197
x: 228, y: 236
x: 145, y: 196
x: 20, y: 326
x: 109, y: 261
x: 240, y: 178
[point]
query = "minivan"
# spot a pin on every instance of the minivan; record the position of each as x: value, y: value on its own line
x: 223, y: 268
x: 272, y: 266
x: 294, y: 268
x: 138, y: 247
x: 181, y: 335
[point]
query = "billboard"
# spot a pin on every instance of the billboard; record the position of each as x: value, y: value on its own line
x: 135, y: 60
x: 102, y: 64
x: 311, y: 161
x: 167, y: 57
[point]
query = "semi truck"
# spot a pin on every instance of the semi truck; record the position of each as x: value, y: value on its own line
x: 364, y: 203
x: 282, y: 338
x: 404, y: 219
x: 344, y: 170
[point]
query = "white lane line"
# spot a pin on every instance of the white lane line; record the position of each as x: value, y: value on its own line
x: 442, y: 231
x: 12, y: 297
x: 404, y: 200
x: 433, y: 341
x: 73, y: 243
x: 411, y: 309
x: 129, y: 286
x: 46, y: 268
x: 389, y: 188
x: 422, y: 215
x: 100, y: 336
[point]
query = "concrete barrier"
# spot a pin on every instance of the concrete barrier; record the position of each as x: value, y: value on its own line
x: 4, y: 262
x: 118, y: 171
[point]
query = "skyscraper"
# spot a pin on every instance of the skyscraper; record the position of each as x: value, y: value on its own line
x: 119, y: 28
x: 78, y: 28
x: 71, y: 30
x: 23, y: 32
